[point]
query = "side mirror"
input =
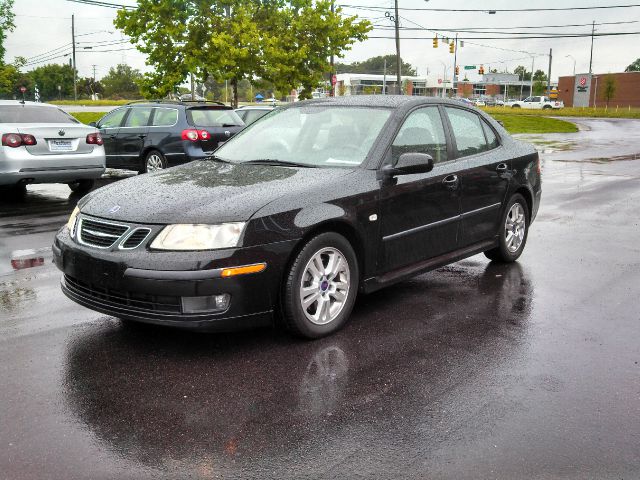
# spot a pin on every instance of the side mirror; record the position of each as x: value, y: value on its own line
x: 410, y: 163
x: 92, y: 124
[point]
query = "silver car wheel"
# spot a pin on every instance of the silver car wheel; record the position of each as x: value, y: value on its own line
x: 515, y: 227
x: 324, y: 287
x: 154, y: 162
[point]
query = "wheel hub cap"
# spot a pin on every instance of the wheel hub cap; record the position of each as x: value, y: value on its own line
x: 324, y: 287
x: 515, y: 227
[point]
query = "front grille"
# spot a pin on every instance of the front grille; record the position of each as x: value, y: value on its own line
x: 136, y: 238
x: 100, y: 234
x: 142, y: 302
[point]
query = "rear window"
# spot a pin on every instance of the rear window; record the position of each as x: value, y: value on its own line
x: 33, y: 114
x: 213, y: 117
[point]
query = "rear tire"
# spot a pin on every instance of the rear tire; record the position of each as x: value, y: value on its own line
x: 81, y: 186
x: 547, y: 107
x: 515, y: 106
x: 320, y: 287
x: 514, y: 229
x: 153, y: 161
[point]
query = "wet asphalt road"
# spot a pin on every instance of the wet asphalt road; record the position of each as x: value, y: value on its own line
x: 479, y: 371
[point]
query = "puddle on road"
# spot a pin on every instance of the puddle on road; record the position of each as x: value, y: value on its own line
x: 602, y: 160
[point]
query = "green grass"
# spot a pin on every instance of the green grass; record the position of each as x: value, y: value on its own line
x: 611, y: 112
x: 514, y: 123
x: 533, y: 124
x: 91, y: 103
x: 87, y: 117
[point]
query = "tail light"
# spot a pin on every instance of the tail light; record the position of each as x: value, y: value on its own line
x: 538, y: 167
x: 94, y: 139
x: 194, y: 135
x: 15, y: 140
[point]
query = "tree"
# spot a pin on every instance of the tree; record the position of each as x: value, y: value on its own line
x: 87, y: 86
x: 634, y: 67
x: 6, y: 24
x: 375, y: 65
x: 48, y: 77
x: 287, y: 42
x: 522, y: 73
x: 540, y: 76
x: 539, y: 87
x: 609, y: 88
x: 122, y: 81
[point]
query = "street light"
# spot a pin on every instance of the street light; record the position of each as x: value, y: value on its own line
x: 574, y: 63
x: 444, y: 79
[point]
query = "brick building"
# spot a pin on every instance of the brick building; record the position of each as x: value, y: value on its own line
x: 627, y: 90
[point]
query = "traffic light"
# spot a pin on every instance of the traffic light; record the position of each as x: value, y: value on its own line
x: 452, y: 47
x: 481, y: 70
x: 457, y: 70
x: 435, y: 42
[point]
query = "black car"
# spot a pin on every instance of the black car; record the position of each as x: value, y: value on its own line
x: 345, y: 195
x: 153, y: 135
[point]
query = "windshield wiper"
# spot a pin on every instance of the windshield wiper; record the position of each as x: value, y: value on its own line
x: 218, y: 159
x: 280, y: 163
x: 231, y: 125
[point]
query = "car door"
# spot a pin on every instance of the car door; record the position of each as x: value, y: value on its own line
x: 420, y: 212
x: 109, y: 125
x: 485, y: 178
x: 132, y: 134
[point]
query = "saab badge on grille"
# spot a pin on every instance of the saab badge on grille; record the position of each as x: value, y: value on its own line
x: 227, y: 133
x: 114, y: 209
x: 61, y: 133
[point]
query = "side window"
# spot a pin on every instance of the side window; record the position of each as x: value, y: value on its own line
x: 165, y: 117
x: 112, y: 119
x: 492, y: 140
x: 139, y: 117
x: 421, y: 132
x: 467, y: 131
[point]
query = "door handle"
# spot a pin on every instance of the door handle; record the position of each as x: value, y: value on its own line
x: 502, y: 167
x: 450, y: 181
x: 142, y: 135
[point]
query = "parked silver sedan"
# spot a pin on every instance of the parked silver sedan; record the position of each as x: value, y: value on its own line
x: 43, y: 144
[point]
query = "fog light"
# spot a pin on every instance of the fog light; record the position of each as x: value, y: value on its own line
x: 210, y: 303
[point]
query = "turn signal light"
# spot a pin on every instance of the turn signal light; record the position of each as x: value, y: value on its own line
x: 15, y: 140
x: 94, y: 139
x: 244, y: 270
x: 194, y: 135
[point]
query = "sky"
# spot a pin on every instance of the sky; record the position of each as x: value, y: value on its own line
x: 45, y: 25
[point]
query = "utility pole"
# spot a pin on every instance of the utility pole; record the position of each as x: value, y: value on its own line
x: 333, y: 87
x: 398, y: 60
x: 533, y: 59
x: 454, y: 89
x: 73, y: 42
x: 94, y: 72
x: 193, y: 87
x: 593, y: 29
x: 549, y: 74
x: 384, y: 78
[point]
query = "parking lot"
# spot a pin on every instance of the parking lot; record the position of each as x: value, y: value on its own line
x: 476, y: 370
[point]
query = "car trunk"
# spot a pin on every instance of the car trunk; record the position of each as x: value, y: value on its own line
x: 221, y: 123
x: 57, y: 140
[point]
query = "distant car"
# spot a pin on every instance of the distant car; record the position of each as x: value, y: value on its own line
x: 368, y: 191
x: 536, y: 103
x: 478, y: 102
x: 186, y: 97
x: 148, y: 136
x: 466, y: 101
x: 43, y: 144
x: 251, y: 113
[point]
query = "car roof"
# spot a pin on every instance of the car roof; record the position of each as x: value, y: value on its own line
x: 256, y: 107
x: 388, y: 101
x: 179, y: 103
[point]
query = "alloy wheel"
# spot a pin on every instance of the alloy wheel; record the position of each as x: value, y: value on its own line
x: 514, y: 227
x: 324, y: 287
x: 154, y: 162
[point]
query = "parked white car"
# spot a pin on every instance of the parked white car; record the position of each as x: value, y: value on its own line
x: 43, y: 144
x: 535, y: 103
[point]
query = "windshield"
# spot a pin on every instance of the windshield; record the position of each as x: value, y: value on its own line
x: 213, y: 117
x: 33, y: 114
x: 318, y: 136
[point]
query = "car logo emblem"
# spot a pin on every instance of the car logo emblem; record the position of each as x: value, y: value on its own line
x: 114, y: 209
x: 61, y: 132
x: 227, y: 133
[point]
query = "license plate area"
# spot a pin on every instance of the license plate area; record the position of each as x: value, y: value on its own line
x: 93, y: 271
x: 60, y: 145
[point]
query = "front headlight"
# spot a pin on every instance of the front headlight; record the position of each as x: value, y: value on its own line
x: 198, y: 236
x: 71, y: 224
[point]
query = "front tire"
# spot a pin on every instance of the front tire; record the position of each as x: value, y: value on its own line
x: 81, y: 186
x: 514, y: 228
x: 321, y: 286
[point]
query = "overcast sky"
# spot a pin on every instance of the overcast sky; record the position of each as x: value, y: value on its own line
x: 44, y: 25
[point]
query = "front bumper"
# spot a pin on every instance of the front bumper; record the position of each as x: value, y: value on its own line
x: 138, y: 286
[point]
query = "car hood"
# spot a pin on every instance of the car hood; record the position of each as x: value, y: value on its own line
x: 202, y: 192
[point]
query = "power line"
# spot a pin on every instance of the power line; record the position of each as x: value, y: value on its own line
x: 483, y: 10
x: 609, y: 34
x: 97, y: 3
